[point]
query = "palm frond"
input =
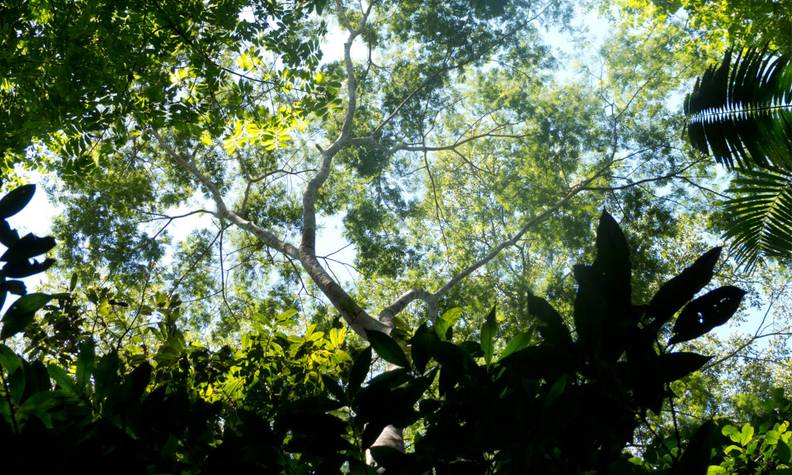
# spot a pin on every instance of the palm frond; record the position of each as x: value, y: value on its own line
x: 741, y: 111
x: 761, y: 215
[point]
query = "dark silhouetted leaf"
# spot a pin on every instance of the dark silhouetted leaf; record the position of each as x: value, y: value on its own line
x: 333, y: 387
x: 359, y: 371
x: 738, y: 110
x: 613, y: 254
x: 421, y: 346
x: 551, y: 325
x: 8, y: 236
x: 14, y: 286
x: 16, y: 200
x: 677, y: 365
x: 487, y: 340
x: 86, y: 360
x: 28, y: 246
x: 25, y: 268
x: 706, y: 312
x: 390, y: 458
x: 387, y: 348
x: 679, y: 290
x: 698, y: 453
x: 21, y: 313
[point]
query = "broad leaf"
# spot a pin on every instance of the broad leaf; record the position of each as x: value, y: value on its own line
x: 62, y: 379
x: 21, y: 313
x: 16, y: 200
x: 698, y: 453
x: 359, y: 371
x: 679, y: 290
x: 487, y: 340
x: 26, y: 268
x: 706, y: 312
x: 28, y: 246
x: 387, y: 348
x: 551, y: 325
x: 677, y: 365
x: 86, y: 360
x: 446, y: 321
x: 520, y: 341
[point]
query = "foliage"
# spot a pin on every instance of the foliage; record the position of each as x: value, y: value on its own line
x: 725, y: 22
x: 83, y: 70
x: 740, y: 112
x: 277, y: 405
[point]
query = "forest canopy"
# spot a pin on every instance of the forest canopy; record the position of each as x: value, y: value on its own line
x: 300, y: 213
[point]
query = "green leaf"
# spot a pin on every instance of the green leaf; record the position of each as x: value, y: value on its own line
x: 760, y: 215
x: 746, y: 434
x: 40, y: 405
x: 287, y: 315
x: 172, y: 349
x: 731, y: 432
x: 62, y: 379
x: 487, y: 340
x: 16, y: 383
x: 21, y: 313
x: 706, y: 312
x: 387, y: 348
x: 784, y: 452
x: 446, y: 321
x: 86, y: 360
x: 520, y: 341
x: 9, y: 360
x: 16, y: 200
x: 359, y: 371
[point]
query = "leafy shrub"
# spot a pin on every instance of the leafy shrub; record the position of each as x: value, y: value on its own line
x: 288, y: 404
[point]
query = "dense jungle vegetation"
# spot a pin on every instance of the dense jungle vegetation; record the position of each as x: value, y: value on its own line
x: 430, y: 237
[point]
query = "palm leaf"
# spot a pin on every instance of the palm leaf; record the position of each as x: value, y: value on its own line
x: 761, y: 215
x: 741, y: 111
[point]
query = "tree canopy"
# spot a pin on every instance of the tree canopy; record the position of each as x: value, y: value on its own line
x: 256, y: 191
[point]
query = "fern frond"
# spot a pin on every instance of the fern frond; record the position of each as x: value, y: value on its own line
x: 761, y: 215
x: 741, y: 111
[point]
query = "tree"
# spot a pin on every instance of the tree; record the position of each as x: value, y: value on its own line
x: 462, y: 169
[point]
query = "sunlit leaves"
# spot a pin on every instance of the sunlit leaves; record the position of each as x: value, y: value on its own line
x: 446, y: 321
